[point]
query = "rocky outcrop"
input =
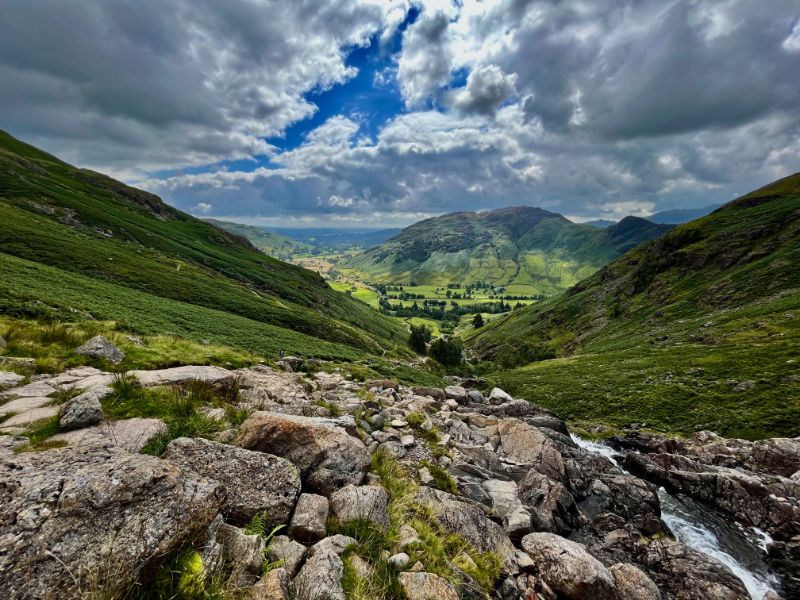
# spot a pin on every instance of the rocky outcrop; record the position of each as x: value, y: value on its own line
x: 100, y: 347
x: 256, y: 483
x: 327, y: 456
x: 71, y: 519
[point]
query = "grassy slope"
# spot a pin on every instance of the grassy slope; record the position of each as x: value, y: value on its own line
x: 270, y: 243
x: 665, y: 334
x: 515, y: 246
x: 85, y: 223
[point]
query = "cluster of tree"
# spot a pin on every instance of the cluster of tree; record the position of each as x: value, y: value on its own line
x: 405, y: 296
x: 443, y: 350
x: 437, y: 309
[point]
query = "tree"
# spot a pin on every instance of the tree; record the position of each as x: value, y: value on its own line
x: 447, y: 352
x: 477, y: 322
x: 419, y: 338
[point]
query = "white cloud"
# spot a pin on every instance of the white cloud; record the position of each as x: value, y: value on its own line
x: 202, y: 207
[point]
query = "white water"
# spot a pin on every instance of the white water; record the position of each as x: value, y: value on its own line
x: 689, y: 528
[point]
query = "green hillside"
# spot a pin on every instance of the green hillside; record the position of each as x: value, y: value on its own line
x: 520, y: 246
x: 699, y: 328
x: 83, y: 223
x: 270, y: 243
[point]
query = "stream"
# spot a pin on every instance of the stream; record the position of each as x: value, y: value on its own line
x: 702, y: 531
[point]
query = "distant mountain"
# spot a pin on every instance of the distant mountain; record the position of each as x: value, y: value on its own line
x: 270, y: 243
x: 682, y: 215
x: 338, y: 239
x: 698, y: 329
x: 527, y: 246
x: 76, y: 242
x: 601, y: 223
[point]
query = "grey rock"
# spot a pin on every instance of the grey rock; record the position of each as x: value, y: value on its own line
x: 310, y: 515
x: 399, y: 561
x: 130, y: 435
x: 178, y: 375
x: 368, y: 503
x: 498, y: 396
x: 243, y: 554
x: 474, y: 396
x: 336, y: 544
x: 568, y: 568
x: 98, y: 513
x: 456, y: 392
x: 8, y: 379
x: 320, y: 578
x: 256, y: 482
x: 100, y: 347
x: 84, y: 410
x: 272, y: 586
x: 288, y: 552
x: 327, y: 456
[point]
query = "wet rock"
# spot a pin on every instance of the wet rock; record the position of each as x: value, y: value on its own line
x: 310, y: 515
x: 256, y: 482
x: 568, y: 568
x: 100, y: 347
x: 72, y: 518
x: 328, y: 458
x: 367, y: 503
x: 633, y: 584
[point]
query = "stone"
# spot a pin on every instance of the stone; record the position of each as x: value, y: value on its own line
x: 8, y: 379
x: 32, y: 416
x: 498, y: 396
x: 327, y: 456
x: 474, y: 396
x: 310, y: 516
x: 83, y: 410
x: 399, y: 561
x: 98, y: 513
x: 272, y: 586
x: 633, y: 584
x: 407, y: 441
x: 320, y: 578
x: 336, y: 544
x: 243, y: 554
x: 33, y: 389
x: 427, y: 586
x: 178, y: 375
x: 367, y: 502
x: 25, y: 404
x: 100, y: 347
x: 435, y: 393
x: 744, y: 386
x: 288, y: 552
x: 456, y: 392
x: 131, y: 435
x: 256, y: 482
x: 528, y: 445
x: 407, y: 536
x: 568, y: 568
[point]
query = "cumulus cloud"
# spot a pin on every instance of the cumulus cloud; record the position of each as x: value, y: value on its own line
x: 487, y: 87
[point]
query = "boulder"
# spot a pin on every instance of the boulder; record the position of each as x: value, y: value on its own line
x: 474, y: 396
x: 288, y: 552
x: 180, y: 375
x: 328, y: 458
x: 498, y: 396
x: 84, y: 410
x: 320, y: 578
x: 528, y: 445
x: 435, y: 393
x: 633, y: 584
x: 256, y: 482
x: 8, y: 379
x: 366, y: 502
x: 100, y: 347
x: 76, y: 517
x: 272, y: 586
x: 568, y: 568
x: 309, y: 519
x: 456, y: 392
x: 242, y: 554
x: 427, y: 586
x: 335, y: 543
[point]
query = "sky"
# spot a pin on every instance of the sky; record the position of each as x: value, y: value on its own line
x: 379, y: 113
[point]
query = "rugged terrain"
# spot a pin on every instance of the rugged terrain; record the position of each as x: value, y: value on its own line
x: 511, y: 246
x: 293, y: 482
x: 698, y: 329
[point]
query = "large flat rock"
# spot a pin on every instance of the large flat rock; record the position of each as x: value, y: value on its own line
x: 178, y: 375
x: 130, y: 435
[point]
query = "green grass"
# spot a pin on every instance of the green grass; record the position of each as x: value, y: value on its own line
x: 83, y: 223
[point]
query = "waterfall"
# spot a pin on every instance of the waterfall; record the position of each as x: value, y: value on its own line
x: 703, y: 533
